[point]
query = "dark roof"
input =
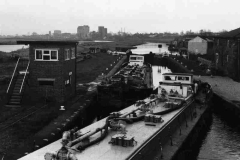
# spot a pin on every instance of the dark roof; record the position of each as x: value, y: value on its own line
x: 181, y: 74
x: 204, y: 38
x: 47, y: 42
x: 232, y: 33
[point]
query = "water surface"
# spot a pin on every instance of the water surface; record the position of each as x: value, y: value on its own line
x: 222, y: 141
x: 10, y: 48
x: 151, y: 47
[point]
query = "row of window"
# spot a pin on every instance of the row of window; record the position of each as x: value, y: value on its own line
x: 52, y: 54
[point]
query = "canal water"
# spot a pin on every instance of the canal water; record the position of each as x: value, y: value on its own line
x: 151, y: 47
x: 10, y: 48
x: 220, y: 139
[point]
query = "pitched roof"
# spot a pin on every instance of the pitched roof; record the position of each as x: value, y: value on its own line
x: 204, y: 38
x: 232, y: 33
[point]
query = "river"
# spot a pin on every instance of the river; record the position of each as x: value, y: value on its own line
x: 10, y: 48
x: 221, y: 139
x: 151, y: 47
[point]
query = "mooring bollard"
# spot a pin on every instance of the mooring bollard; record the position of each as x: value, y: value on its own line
x: 45, y: 140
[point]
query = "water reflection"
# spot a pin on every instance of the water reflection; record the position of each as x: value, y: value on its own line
x: 150, y: 47
x: 157, y: 72
x: 10, y: 48
x: 222, y: 141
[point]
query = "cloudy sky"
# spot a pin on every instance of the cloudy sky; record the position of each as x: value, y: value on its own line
x: 41, y: 16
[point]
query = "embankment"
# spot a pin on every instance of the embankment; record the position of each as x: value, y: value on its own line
x: 81, y: 112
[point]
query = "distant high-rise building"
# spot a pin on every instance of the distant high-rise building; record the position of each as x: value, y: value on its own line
x: 105, y: 32
x: 57, y: 33
x: 83, y: 31
x: 50, y: 33
x: 102, y: 31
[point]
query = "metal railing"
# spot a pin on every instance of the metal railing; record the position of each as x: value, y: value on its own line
x: 13, y: 74
x: 24, y: 77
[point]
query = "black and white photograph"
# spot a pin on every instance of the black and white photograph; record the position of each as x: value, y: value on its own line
x: 119, y: 80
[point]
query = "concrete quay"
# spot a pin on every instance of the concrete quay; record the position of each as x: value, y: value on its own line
x: 224, y: 87
x: 226, y: 95
x: 226, y: 91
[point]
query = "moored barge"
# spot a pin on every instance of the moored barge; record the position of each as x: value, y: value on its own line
x: 132, y: 82
x: 134, y: 132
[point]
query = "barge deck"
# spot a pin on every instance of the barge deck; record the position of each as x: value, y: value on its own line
x: 103, y: 150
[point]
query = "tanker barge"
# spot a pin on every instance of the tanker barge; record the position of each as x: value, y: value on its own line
x: 134, y: 132
x: 132, y: 82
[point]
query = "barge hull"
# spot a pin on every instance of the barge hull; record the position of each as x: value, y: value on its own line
x: 149, y: 138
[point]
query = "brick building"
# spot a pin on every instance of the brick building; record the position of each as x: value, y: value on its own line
x: 226, y: 55
x: 200, y: 45
x: 52, y: 69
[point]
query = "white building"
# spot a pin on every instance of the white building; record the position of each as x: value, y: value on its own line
x: 199, y: 45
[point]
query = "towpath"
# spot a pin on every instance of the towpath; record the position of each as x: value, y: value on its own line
x: 224, y: 87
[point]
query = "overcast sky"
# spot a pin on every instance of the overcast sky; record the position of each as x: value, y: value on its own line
x: 41, y: 16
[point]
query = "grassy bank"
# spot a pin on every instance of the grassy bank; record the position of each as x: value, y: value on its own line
x: 87, y: 71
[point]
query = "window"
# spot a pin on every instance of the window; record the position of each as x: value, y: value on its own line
x: 73, y: 53
x: 46, y: 81
x: 46, y: 55
x: 38, y: 54
x: 139, y: 58
x: 69, y: 80
x: 54, y: 55
x: 183, y: 78
x: 170, y: 78
x: 67, y: 54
